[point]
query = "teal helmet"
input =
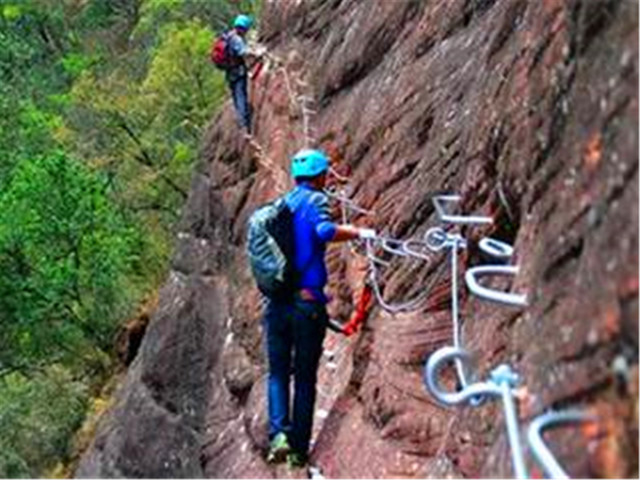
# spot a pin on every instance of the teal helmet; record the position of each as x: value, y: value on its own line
x: 243, y: 21
x: 309, y: 163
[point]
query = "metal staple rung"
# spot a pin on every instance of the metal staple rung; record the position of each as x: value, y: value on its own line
x: 460, y: 219
x: 540, y: 450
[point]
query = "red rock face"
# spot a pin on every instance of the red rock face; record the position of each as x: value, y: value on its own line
x: 529, y: 111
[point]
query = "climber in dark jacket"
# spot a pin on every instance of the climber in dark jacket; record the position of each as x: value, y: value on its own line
x: 237, y: 74
x: 295, y: 328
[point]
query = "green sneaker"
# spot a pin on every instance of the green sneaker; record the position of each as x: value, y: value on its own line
x: 278, y: 448
x: 296, y: 460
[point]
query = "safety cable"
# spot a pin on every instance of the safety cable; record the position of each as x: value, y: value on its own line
x: 502, y: 380
x: 374, y: 274
x: 412, y: 248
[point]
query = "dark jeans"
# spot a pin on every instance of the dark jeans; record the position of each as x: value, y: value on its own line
x: 294, y: 331
x: 241, y: 101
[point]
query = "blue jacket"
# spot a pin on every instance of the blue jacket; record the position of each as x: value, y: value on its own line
x: 238, y: 49
x: 313, y: 229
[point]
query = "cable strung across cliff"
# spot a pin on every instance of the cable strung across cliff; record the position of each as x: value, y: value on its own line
x: 379, y: 253
x: 503, y: 380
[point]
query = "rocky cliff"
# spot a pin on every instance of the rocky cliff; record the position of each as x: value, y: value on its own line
x: 529, y: 111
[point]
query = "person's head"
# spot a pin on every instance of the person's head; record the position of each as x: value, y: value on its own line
x: 310, y: 166
x: 242, y: 24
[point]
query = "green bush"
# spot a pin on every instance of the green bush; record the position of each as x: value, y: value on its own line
x: 38, y: 415
x: 64, y: 253
x: 102, y: 109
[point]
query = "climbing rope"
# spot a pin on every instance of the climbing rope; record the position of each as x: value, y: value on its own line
x: 398, y: 248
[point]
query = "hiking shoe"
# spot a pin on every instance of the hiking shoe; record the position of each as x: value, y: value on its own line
x: 278, y: 448
x: 297, y: 460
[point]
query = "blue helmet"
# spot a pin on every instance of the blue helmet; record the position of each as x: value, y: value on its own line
x: 309, y: 163
x: 243, y: 21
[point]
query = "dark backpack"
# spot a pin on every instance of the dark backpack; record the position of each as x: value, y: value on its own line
x: 270, y: 247
x: 220, y: 54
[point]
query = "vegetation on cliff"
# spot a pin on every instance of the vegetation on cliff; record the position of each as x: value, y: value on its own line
x: 102, y: 106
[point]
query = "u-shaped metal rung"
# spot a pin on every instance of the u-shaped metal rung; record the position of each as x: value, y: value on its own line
x: 503, y: 379
x: 461, y: 219
x: 486, y: 293
x: 540, y: 450
x: 393, y: 246
x: 432, y: 370
x: 496, y: 248
x: 409, y: 250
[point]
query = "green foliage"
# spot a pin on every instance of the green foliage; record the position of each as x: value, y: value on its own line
x: 64, y: 251
x: 76, y: 63
x: 145, y: 132
x: 102, y: 108
x: 37, y: 416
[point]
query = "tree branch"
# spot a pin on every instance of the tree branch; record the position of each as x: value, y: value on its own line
x: 145, y: 159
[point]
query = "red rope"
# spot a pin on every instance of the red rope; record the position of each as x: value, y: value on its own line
x: 362, y: 312
x: 256, y: 71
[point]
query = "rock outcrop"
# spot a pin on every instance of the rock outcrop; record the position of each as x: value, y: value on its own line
x: 529, y: 111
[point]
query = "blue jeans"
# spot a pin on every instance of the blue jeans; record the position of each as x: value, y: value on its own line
x: 294, y: 331
x: 241, y: 101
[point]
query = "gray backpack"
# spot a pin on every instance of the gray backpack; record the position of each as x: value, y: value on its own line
x: 270, y: 247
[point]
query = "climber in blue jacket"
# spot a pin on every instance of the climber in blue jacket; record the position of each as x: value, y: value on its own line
x: 295, y: 329
x: 237, y: 73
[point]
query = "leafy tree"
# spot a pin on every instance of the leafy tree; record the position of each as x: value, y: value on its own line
x: 145, y: 134
x: 102, y: 107
x: 37, y: 416
x: 64, y: 251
